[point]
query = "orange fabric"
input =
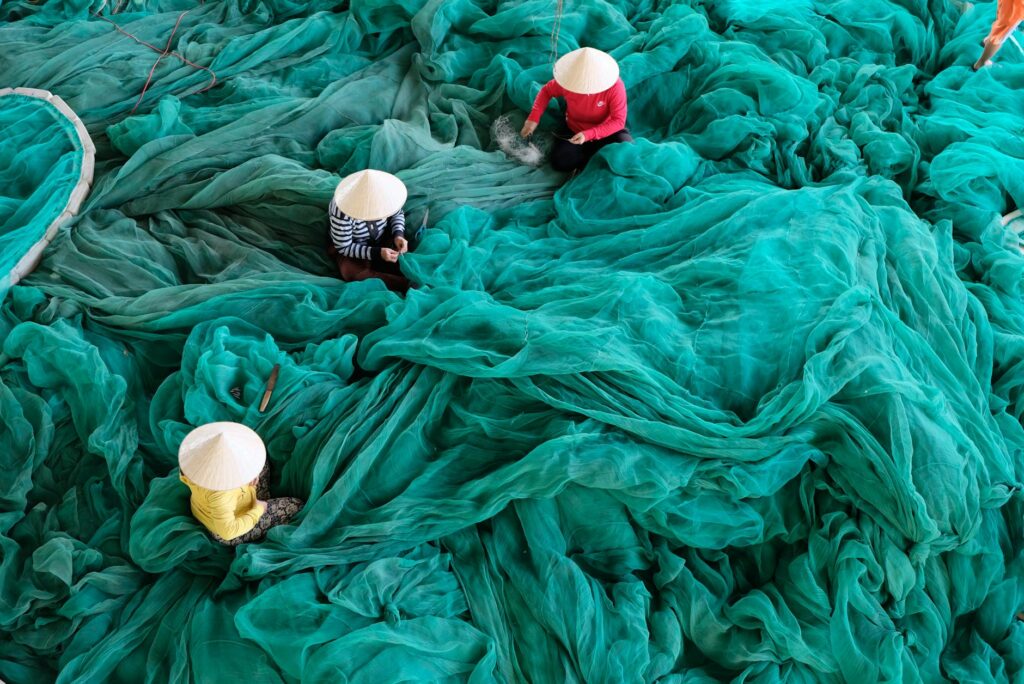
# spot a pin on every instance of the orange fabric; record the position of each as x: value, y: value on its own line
x: 1008, y: 15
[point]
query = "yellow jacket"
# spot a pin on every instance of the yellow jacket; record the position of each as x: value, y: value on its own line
x: 229, y: 513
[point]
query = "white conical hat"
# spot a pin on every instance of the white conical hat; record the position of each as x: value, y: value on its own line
x: 586, y: 71
x: 221, y: 456
x: 370, y: 195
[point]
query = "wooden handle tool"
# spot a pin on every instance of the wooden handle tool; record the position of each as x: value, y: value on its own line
x: 271, y: 384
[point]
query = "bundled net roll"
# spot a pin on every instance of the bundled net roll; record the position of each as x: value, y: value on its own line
x: 741, y: 401
x: 506, y: 136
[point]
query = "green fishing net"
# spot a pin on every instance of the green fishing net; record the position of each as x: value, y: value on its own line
x: 740, y: 402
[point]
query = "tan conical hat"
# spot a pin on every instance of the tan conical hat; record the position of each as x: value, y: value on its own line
x: 586, y: 71
x: 370, y: 195
x: 221, y: 456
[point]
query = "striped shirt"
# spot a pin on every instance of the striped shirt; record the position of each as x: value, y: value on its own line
x: 359, y: 239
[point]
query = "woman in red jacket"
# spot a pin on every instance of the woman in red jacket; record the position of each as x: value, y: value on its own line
x: 595, y: 107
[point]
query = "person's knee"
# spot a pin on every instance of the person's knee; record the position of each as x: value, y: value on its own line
x: 562, y: 165
x: 350, y: 270
x: 396, y: 283
x: 565, y: 161
x: 622, y: 136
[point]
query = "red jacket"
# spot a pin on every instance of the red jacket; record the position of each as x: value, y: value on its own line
x: 596, y: 116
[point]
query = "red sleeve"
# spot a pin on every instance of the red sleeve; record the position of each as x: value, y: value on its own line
x: 551, y: 89
x: 616, y: 120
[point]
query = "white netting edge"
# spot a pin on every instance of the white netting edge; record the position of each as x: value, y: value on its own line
x: 31, y: 258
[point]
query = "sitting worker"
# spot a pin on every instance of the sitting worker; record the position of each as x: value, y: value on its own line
x: 225, y: 466
x: 367, y: 228
x: 1009, y: 14
x: 595, y: 107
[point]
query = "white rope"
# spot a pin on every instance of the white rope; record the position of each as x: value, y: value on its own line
x: 31, y: 259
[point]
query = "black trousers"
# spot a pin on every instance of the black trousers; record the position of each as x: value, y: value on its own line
x: 567, y: 157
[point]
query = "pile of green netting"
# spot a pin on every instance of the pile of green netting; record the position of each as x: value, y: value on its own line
x: 742, y: 401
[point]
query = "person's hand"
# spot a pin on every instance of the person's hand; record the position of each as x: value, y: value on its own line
x: 389, y: 255
x: 261, y: 502
x: 578, y: 139
x: 255, y: 481
x: 528, y: 128
x: 402, y: 245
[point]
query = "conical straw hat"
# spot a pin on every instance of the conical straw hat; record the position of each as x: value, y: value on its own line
x: 370, y: 195
x: 221, y: 456
x: 586, y: 71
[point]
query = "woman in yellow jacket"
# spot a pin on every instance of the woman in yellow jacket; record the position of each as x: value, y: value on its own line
x: 225, y: 467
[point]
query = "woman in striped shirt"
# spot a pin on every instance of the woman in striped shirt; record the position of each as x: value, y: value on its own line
x: 367, y: 228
